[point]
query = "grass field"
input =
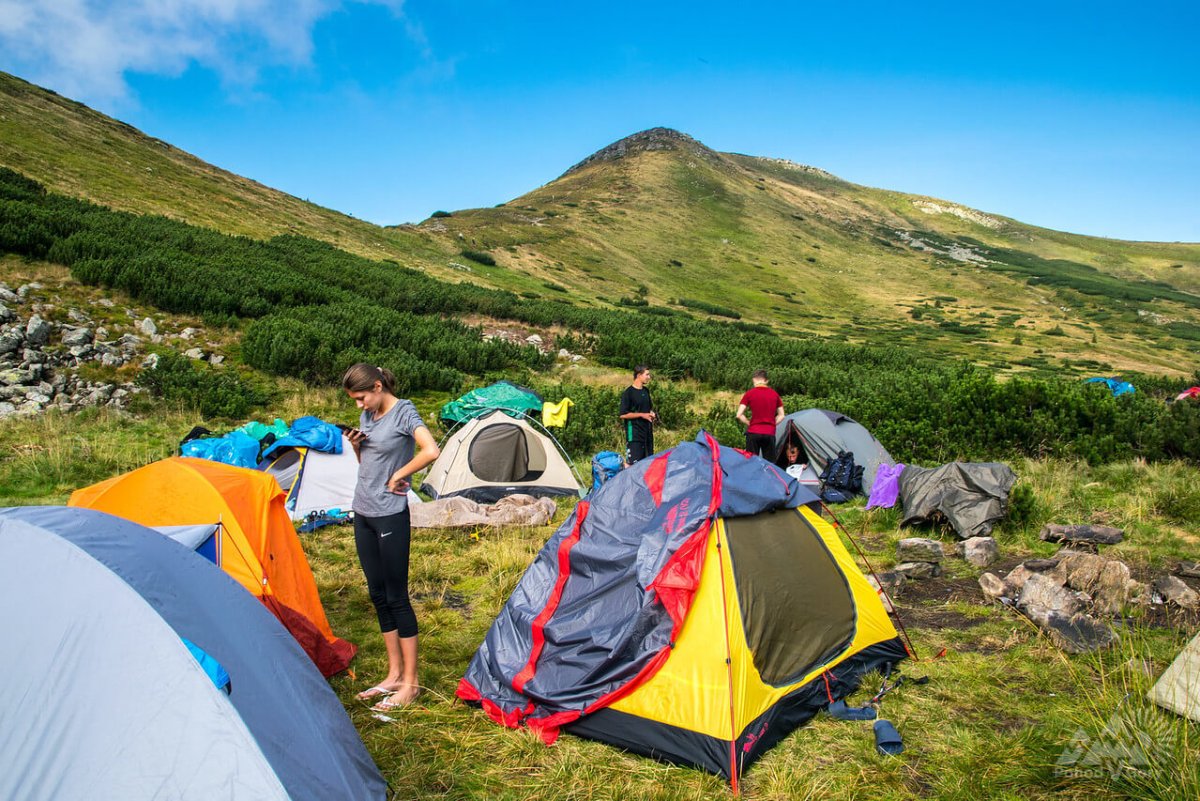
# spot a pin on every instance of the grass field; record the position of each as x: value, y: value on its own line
x: 1000, y: 708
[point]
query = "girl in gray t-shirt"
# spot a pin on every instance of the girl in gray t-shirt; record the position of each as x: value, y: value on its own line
x: 391, y: 443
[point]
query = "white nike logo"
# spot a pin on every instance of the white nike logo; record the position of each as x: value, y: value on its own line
x: 384, y: 534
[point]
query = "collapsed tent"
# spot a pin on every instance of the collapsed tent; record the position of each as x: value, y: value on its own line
x: 496, y: 455
x: 1190, y: 392
x: 1178, y: 689
x: 259, y: 547
x: 694, y: 609
x: 970, y: 496
x: 822, y: 435
x: 1115, y: 385
x: 103, y: 697
x: 458, y: 512
x: 512, y: 399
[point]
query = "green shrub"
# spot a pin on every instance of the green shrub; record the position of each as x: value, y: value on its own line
x: 441, y: 213
x: 480, y: 257
x: 212, y: 391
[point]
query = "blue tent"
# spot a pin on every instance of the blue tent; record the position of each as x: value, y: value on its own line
x: 110, y: 701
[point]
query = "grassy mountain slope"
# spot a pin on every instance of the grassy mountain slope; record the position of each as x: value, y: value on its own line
x: 659, y: 218
x: 665, y: 217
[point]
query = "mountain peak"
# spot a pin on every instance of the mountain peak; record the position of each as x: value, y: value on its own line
x: 643, y: 141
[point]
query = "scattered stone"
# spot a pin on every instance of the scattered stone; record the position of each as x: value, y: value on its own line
x: 919, y: 570
x: 1188, y: 569
x: 8, y: 296
x: 148, y: 327
x: 10, y: 342
x: 106, y: 303
x: 77, y: 336
x: 980, y: 551
x: 37, y: 331
x: 77, y: 316
x: 533, y: 339
x: 150, y: 362
x: 215, y: 359
x: 188, y: 333
x: 1014, y: 582
x: 1174, y: 591
x: 1082, y: 534
x: 6, y: 314
x: 1043, y: 593
x: 993, y: 586
x: 194, y: 353
x: 919, y: 549
x: 1075, y: 634
x: 1039, y: 565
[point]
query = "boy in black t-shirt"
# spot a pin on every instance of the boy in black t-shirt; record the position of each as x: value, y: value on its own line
x: 637, y: 410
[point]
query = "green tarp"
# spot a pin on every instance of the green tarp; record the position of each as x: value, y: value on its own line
x: 513, y: 400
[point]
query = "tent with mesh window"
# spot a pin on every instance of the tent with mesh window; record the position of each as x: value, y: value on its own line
x: 496, y: 455
x: 695, y: 608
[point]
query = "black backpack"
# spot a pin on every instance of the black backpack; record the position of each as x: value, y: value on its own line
x: 842, y: 479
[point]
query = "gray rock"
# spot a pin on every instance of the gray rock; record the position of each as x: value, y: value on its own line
x: 150, y: 362
x: 17, y: 376
x: 8, y: 392
x: 77, y: 316
x: 919, y: 570
x: 919, y: 549
x: 106, y: 303
x: 10, y: 341
x: 188, y: 333
x: 1075, y: 634
x: 8, y: 296
x: 7, y: 409
x: 129, y: 342
x: 215, y: 359
x: 147, y: 327
x: 993, y: 586
x: 1189, y: 569
x: 533, y: 339
x: 77, y: 336
x: 1080, y: 571
x: 24, y: 290
x: 194, y: 353
x: 1082, y: 534
x: 37, y: 331
x: 1042, y: 592
x: 6, y: 314
x: 111, y: 360
x: 981, y: 551
x: 1040, y: 565
x: 1174, y: 591
x: 80, y: 351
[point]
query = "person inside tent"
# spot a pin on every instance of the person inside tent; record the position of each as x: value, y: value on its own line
x: 793, y: 454
x: 392, y: 443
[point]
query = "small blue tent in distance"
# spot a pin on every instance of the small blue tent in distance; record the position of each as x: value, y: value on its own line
x: 104, y: 695
x: 1115, y: 385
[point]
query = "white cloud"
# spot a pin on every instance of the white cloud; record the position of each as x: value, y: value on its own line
x: 84, y: 48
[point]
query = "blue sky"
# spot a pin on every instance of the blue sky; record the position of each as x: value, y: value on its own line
x: 1083, y: 117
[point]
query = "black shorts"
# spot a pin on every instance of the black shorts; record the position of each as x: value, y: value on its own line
x: 636, y: 451
x: 761, y: 445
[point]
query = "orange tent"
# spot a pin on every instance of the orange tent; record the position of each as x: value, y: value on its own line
x: 259, y: 547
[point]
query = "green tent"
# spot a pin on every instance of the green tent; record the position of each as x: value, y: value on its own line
x: 510, y: 398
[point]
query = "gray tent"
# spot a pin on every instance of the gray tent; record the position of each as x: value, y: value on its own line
x: 971, y: 496
x: 823, y: 434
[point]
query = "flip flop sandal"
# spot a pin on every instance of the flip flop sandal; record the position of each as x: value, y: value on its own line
x: 378, y: 691
x: 887, y: 739
x: 840, y: 711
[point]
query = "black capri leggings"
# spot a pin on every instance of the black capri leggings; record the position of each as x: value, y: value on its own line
x: 382, y: 544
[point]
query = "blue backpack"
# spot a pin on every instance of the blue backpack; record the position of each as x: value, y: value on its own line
x: 605, y: 465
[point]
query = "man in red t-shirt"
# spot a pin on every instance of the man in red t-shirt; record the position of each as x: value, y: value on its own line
x: 766, y: 412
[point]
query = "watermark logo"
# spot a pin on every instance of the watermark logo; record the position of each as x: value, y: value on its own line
x: 1133, y: 740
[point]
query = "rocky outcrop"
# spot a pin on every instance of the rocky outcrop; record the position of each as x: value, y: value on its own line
x: 39, y: 358
x: 648, y: 140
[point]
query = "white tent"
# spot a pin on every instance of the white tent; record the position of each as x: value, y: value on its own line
x: 495, y: 455
x: 1178, y: 689
x: 316, y: 481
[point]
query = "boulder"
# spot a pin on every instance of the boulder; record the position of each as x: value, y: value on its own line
x: 1082, y: 534
x: 980, y: 551
x: 1040, y: 565
x: 1044, y: 593
x: 1174, y: 591
x: 1014, y: 582
x: 11, y: 341
x: 6, y: 313
x: 37, y: 331
x: 215, y: 359
x: 918, y: 549
x: 147, y: 327
x: 194, y: 353
x: 1080, y: 571
x: 919, y: 570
